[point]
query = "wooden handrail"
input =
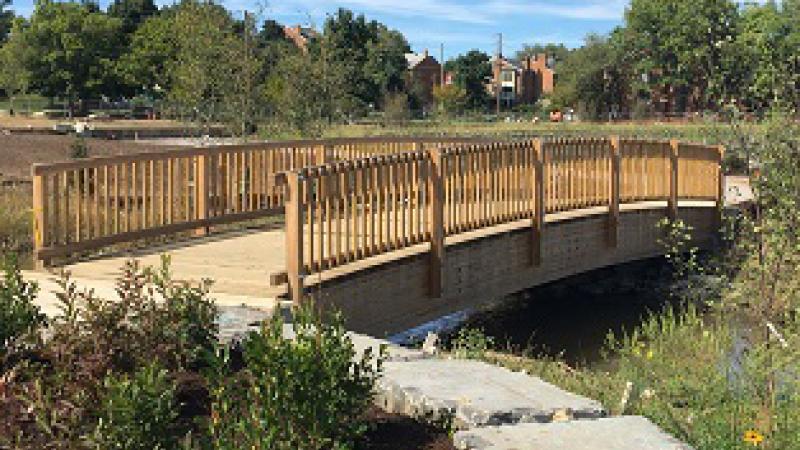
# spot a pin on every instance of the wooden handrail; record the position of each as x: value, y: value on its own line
x: 371, y: 206
x: 96, y: 202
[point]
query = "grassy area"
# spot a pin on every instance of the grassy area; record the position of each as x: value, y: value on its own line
x: 712, y: 132
x: 15, y: 218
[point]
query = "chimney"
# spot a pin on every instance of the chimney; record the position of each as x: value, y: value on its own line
x: 425, y: 53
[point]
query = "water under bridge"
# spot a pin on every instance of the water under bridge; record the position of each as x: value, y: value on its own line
x: 392, y: 231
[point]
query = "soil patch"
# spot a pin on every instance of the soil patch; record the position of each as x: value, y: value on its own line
x: 19, y: 151
x: 396, y: 432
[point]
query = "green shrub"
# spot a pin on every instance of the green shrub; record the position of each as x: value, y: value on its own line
x: 16, y: 219
x: 95, y: 345
x: 471, y: 343
x: 78, y: 149
x: 19, y: 316
x: 138, y: 412
x: 300, y: 393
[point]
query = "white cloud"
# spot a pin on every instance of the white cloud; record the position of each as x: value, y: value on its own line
x: 442, y: 10
x: 491, y: 12
x: 582, y: 10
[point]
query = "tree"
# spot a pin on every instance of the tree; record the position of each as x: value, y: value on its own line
x: 386, y: 64
x: 559, y: 52
x: 71, y: 50
x: 679, y: 46
x: 144, y: 68
x: 6, y: 19
x: 450, y: 98
x: 592, y: 78
x: 132, y: 12
x: 471, y: 72
x: 14, y: 75
x: 201, y: 72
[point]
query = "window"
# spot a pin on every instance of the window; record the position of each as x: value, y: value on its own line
x: 508, y: 76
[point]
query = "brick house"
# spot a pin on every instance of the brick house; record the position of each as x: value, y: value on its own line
x: 524, y: 82
x: 424, y: 71
x: 299, y: 35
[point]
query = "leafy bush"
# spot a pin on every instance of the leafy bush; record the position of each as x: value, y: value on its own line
x: 78, y: 149
x: 471, y: 343
x: 138, y: 412
x: 154, y: 321
x: 19, y: 316
x: 15, y: 219
x: 301, y: 393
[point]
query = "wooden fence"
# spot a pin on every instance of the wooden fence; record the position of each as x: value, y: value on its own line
x: 342, y: 212
x: 93, y: 203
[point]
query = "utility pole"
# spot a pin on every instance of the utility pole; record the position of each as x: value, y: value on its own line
x: 441, y: 64
x: 499, y: 72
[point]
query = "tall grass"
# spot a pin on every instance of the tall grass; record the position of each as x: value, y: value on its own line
x: 15, y: 219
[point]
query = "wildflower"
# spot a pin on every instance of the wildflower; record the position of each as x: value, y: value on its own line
x: 649, y: 354
x: 753, y: 437
x: 215, y: 416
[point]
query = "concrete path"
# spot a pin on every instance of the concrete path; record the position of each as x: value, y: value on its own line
x: 616, y: 433
x: 498, y: 409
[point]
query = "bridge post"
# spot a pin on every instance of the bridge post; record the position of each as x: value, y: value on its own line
x: 40, y: 225
x: 201, y: 183
x: 672, y: 204
x: 537, y: 226
x: 613, y: 205
x: 294, y: 235
x: 720, y: 185
x: 437, y: 251
x: 326, y: 155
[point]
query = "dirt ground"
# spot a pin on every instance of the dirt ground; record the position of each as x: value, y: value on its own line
x: 40, y: 122
x: 396, y: 432
x: 19, y: 151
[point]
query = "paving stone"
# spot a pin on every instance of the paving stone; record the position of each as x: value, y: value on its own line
x: 473, y: 394
x: 617, y: 433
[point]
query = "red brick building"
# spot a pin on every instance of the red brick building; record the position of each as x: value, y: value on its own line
x: 522, y: 83
x: 424, y: 71
x: 299, y: 35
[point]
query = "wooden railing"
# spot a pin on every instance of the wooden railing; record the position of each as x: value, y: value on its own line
x: 93, y: 203
x: 340, y: 213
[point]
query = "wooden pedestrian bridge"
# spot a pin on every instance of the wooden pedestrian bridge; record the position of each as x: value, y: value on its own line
x: 392, y: 231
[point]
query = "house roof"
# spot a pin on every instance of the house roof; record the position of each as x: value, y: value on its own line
x: 414, y: 59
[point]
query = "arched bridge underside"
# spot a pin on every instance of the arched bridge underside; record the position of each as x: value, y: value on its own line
x: 392, y: 231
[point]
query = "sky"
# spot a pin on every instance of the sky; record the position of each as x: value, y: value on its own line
x: 461, y: 25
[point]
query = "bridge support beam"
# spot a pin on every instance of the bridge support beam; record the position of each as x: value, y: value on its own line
x: 294, y: 236
x: 613, y: 204
x: 537, y: 227
x: 437, y: 250
x: 720, y: 186
x: 672, y: 203
x: 201, y: 183
x: 40, y: 214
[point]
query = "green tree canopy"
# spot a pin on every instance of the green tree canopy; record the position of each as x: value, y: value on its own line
x: 144, y: 68
x: 132, y: 12
x: 386, y: 64
x: 679, y: 46
x: 6, y: 19
x: 470, y: 73
x: 15, y: 77
x: 559, y: 52
x: 592, y: 78
x: 71, y: 49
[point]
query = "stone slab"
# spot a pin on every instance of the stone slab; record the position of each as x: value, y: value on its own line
x: 617, y: 433
x: 474, y: 394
